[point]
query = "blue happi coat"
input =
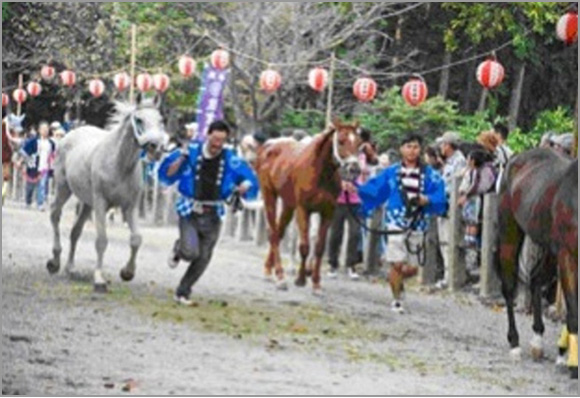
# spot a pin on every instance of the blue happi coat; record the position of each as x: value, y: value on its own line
x: 235, y: 172
x: 385, y: 189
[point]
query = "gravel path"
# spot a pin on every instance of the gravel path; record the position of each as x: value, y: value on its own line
x: 242, y: 337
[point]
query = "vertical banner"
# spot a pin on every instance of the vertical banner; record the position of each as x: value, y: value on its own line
x: 211, y: 101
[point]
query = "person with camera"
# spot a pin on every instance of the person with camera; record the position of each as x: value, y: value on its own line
x: 208, y: 174
x: 412, y: 192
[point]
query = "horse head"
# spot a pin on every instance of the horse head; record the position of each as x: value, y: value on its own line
x: 15, y: 123
x: 148, y: 127
x: 345, y: 148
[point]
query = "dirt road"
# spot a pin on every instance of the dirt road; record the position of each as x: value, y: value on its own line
x: 242, y: 337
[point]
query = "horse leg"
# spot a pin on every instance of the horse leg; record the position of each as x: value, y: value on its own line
x: 538, y: 327
x: 75, y: 234
x: 285, y: 219
x: 303, y: 221
x: 510, y: 242
x: 100, y: 284
x: 271, y: 206
x: 325, y: 221
x: 568, y: 267
x: 128, y: 273
x: 63, y: 194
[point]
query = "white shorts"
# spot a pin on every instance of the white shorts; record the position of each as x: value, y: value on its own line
x: 398, y: 251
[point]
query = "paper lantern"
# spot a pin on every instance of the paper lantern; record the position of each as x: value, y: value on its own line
x: 186, y: 66
x: 68, y: 78
x: 5, y: 100
x: 365, y: 89
x: 415, y: 92
x: 34, y: 89
x: 19, y: 96
x: 122, y: 81
x: 220, y: 59
x: 96, y: 88
x: 47, y: 72
x: 161, y: 82
x: 567, y: 28
x: 318, y: 79
x: 270, y: 80
x: 490, y: 74
x: 144, y: 82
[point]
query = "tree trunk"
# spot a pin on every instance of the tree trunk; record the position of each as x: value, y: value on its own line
x: 516, y: 98
x: 576, y: 129
x: 444, y: 82
x: 469, y: 84
x: 483, y: 100
x: 398, y: 43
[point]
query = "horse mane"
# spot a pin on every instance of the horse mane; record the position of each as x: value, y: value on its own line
x: 122, y: 111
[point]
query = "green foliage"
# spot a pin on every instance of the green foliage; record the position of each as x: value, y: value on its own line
x: 310, y: 120
x: 559, y: 120
x: 470, y: 126
x: 5, y: 11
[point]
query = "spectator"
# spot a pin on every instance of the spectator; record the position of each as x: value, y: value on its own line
x: 479, y: 180
x: 38, y: 152
x: 453, y: 167
x: 563, y: 144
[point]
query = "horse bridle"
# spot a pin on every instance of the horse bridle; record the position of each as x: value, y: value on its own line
x: 341, y: 162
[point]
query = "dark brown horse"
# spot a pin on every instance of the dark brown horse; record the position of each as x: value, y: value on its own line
x: 307, y: 179
x: 539, y: 198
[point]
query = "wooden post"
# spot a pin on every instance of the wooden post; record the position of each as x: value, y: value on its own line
x: 20, y: 84
x: 428, y: 273
x: 457, y: 272
x: 490, y: 283
x: 330, y: 89
x: 261, y: 231
x: 133, y: 61
x: 373, y: 241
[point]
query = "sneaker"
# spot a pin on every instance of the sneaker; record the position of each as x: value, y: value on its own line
x: 332, y: 274
x: 182, y: 300
x: 353, y: 274
x: 397, y: 307
x: 172, y: 261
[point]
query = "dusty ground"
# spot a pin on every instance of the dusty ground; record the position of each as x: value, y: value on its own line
x: 243, y: 337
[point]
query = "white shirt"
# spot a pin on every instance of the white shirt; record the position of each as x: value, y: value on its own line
x: 44, y: 151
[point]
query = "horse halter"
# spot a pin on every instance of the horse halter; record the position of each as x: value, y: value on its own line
x: 343, y: 163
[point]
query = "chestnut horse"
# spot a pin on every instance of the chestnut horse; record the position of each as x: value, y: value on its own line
x: 539, y: 198
x: 307, y: 179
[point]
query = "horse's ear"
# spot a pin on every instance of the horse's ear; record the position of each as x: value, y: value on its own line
x: 336, y: 122
x: 356, y: 125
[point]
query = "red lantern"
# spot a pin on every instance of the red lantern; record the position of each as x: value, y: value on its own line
x: 34, y: 89
x: 47, y: 72
x: 68, y: 78
x: 122, y: 81
x: 186, y: 66
x: 5, y: 100
x: 318, y: 79
x: 415, y: 91
x: 365, y: 89
x: 270, y: 81
x: 96, y: 87
x: 567, y: 28
x: 490, y: 74
x: 220, y: 59
x: 19, y: 96
x: 144, y: 82
x: 161, y: 82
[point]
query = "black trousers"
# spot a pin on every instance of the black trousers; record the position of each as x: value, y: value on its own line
x: 199, y: 234
x: 342, y: 214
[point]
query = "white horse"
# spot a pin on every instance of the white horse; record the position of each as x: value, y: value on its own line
x: 102, y: 169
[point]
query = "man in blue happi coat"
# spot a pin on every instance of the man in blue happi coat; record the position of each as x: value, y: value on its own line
x: 412, y: 192
x: 208, y: 174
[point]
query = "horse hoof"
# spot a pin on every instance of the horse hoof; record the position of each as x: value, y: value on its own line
x: 516, y: 354
x: 300, y: 282
x: 574, y: 373
x: 282, y: 285
x: 127, y: 276
x: 101, y: 288
x: 561, y: 362
x: 52, y: 267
